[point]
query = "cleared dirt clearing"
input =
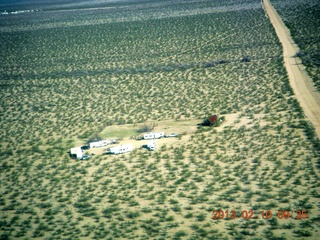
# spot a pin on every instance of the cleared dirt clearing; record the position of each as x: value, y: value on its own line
x: 306, y: 93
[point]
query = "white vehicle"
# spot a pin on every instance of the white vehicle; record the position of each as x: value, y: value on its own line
x: 172, y: 135
x: 121, y: 149
x: 98, y: 144
x: 151, y: 145
x: 76, y: 152
x: 153, y: 135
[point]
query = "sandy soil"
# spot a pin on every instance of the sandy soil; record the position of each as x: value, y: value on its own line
x: 185, y: 127
x: 306, y: 93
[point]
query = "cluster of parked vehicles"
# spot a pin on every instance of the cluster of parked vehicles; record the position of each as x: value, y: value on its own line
x: 78, y: 152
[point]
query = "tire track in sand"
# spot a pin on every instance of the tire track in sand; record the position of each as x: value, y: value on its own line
x: 301, y: 83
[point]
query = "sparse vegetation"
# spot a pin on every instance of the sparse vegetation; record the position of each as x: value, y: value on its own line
x: 160, y: 61
x: 301, y: 17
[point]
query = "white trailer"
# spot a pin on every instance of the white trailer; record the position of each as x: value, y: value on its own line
x: 153, y: 135
x: 121, y: 149
x: 76, y: 152
x: 98, y: 144
x: 148, y: 136
x: 159, y: 135
x: 151, y: 145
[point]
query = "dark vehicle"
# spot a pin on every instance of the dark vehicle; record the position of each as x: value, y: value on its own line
x: 85, y: 148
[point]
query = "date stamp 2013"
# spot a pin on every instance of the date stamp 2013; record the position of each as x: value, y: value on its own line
x: 250, y: 214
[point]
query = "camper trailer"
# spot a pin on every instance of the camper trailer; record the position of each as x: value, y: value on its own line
x: 120, y: 149
x: 76, y: 152
x: 153, y: 135
x: 98, y: 144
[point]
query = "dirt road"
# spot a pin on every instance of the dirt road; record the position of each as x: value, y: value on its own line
x: 306, y: 93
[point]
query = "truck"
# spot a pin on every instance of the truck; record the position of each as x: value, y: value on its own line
x: 151, y: 145
x: 76, y: 152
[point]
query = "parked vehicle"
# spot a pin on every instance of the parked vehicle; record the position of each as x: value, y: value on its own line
x: 114, y: 142
x: 85, y: 148
x: 101, y: 143
x: 172, y: 135
x: 76, y: 152
x: 85, y: 157
x: 120, y: 149
x: 153, y: 135
x: 151, y: 145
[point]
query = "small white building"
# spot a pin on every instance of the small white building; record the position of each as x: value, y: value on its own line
x: 121, y: 149
x: 76, y: 152
x: 153, y: 135
x: 151, y: 145
x: 98, y: 144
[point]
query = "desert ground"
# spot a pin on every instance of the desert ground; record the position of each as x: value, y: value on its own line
x: 303, y: 87
x: 73, y: 71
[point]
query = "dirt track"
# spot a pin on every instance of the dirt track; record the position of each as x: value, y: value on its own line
x: 306, y: 93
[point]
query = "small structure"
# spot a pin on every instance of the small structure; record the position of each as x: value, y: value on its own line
x: 153, y: 135
x: 210, y: 121
x: 120, y: 149
x: 76, y: 152
x: 151, y: 145
x: 98, y: 144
